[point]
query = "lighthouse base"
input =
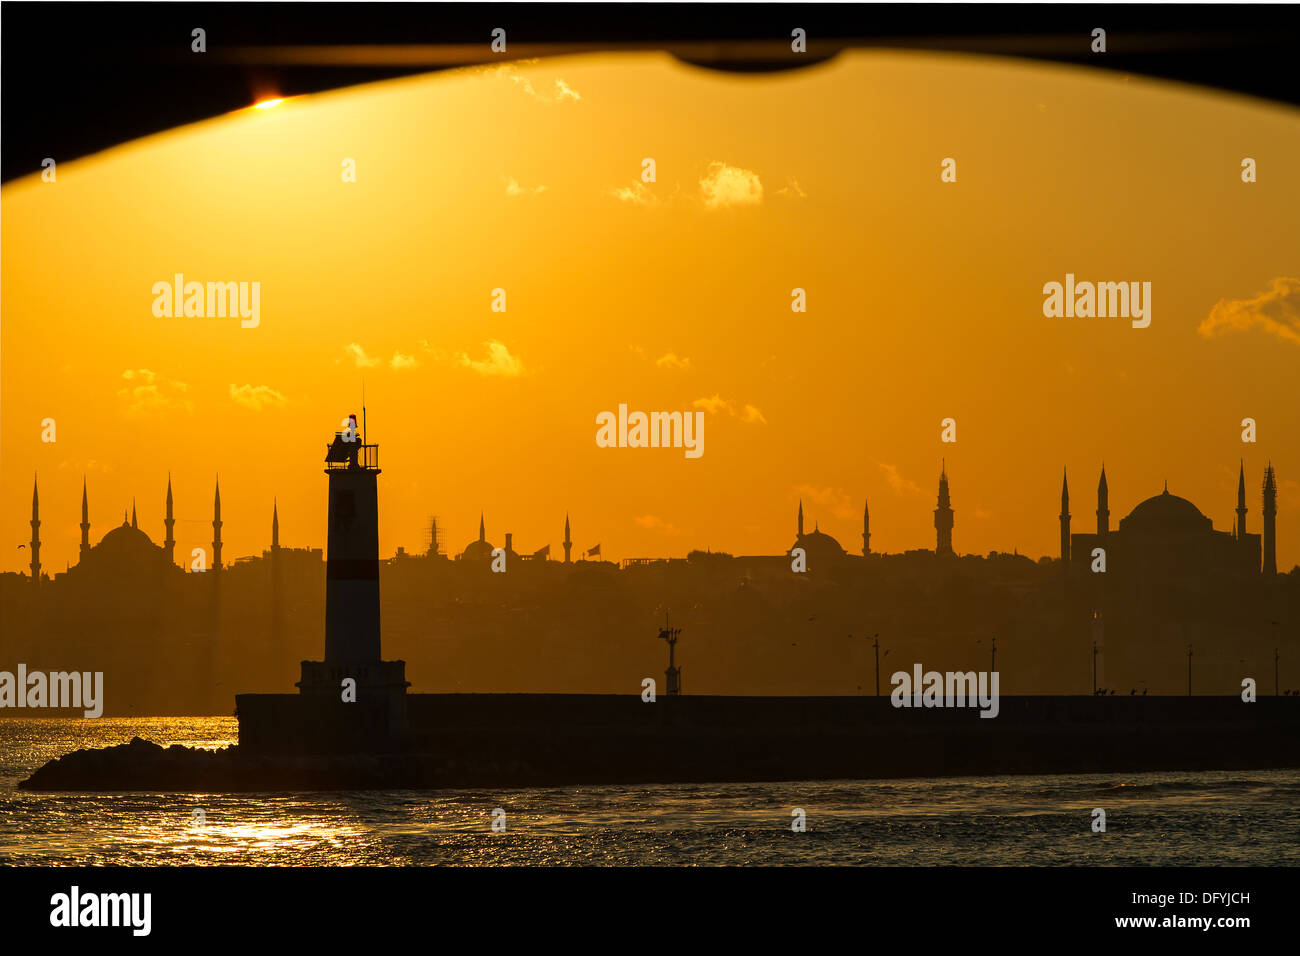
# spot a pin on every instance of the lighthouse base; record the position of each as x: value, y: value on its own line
x: 329, y: 715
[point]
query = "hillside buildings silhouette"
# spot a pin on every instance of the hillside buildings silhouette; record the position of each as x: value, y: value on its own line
x: 172, y: 640
x: 1164, y: 532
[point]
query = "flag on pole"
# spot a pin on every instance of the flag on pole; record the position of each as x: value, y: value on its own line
x: 594, y: 552
x: 542, y: 553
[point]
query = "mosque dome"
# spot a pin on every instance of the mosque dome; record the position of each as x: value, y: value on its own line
x: 818, y: 544
x: 125, y: 541
x: 1166, y: 514
x: 124, y: 551
x: 478, y: 550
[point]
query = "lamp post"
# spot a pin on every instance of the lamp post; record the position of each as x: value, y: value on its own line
x: 674, y: 673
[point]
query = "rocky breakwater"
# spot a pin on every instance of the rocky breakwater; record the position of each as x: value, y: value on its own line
x: 145, y: 766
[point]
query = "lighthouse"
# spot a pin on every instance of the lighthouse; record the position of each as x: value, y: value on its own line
x: 352, y: 559
x: 366, y: 695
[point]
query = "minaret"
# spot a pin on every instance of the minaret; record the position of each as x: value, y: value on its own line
x: 943, y: 516
x: 1270, y: 520
x: 36, y: 534
x: 866, y: 529
x: 169, y: 522
x: 1065, y: 520
x: 216, y: 528
x: 134, y: 524
x: 482, y: 534
x: 1241, y: 502
x: 277, y: 586
x: 1103, y: 505
x: 568, y: 543
x: 800, y: 527
x: 85, y: 519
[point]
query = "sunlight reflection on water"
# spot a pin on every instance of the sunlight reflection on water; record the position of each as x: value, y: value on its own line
x: 1193, y: 818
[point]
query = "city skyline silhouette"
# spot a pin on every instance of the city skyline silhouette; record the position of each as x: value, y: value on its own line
x: 1262, y: 545
x: 490, y: 618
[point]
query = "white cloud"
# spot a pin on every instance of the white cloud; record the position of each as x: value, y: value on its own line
x: 897, y: 483
x: 792, y: 189
x: 359, y: 355
x: 1276, y: 311
x: 638, y: 193
x: 523, y: 83
x: 514, y: 189
x: 401, y: 360
x: 714, y: 405
x: 672, y: 360
x: 748, y: 414
x: 725, y: 185
x: 563, y: 91
x: 499, y: 361
x: 147, y: 392
x: 256, y: 397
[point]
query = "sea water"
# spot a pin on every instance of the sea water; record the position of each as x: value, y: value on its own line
x: 1215, y: 818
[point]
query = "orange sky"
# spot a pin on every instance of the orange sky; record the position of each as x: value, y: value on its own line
x: 925, y: 302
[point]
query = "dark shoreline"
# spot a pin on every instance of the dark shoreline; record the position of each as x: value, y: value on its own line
x: 507, y: 741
